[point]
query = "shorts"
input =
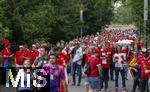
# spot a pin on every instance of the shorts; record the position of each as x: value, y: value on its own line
x: 94, y: 82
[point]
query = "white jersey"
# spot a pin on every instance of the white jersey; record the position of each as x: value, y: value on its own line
x: 118, y: 60
x: 78, y: 55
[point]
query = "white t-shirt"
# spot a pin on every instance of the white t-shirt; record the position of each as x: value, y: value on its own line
x: 78, y: 55
x: 118, y: 60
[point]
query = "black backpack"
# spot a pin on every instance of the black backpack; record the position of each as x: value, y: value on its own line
x: 87, y: 68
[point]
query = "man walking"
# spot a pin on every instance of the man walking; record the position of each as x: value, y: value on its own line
x: 77, y: 67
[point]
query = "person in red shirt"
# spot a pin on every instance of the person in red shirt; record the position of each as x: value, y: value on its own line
x: 62, y: 60
x: 6, y: 54
x: 149, y: 67
x: 6, y: 61
x: 19, y: 56
x: 93, y: 75
x: 88, y: 55
x: 110, y: 53
x: 34, y: 53
x: 27, y: 53
x: 144, y: 62
x: 104, y: 60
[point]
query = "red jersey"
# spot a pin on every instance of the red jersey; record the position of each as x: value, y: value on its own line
x: 34, y: 54
x: 105, y: 61
x: 109, y: 53
x: 144, y: 62
x: 148, y: 68
x: 27, y: 53
x: 62, y: 58
x: 6, y: 52
x: 19, y: 57
x: 94, y: 62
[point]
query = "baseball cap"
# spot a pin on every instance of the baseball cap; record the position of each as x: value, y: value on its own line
x: 6, y: 42
x: 96, y: 50
x: 21, y: 46
x: 144, y: 50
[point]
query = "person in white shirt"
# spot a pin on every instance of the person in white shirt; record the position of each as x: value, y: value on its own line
x: 119, y: 68
x: 76, y: 66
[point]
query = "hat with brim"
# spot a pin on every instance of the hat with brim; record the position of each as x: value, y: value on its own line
x: 6, y: 42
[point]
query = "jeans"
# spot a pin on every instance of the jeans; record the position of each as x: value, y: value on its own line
x: 112, y: 71
x: 94, y: 82
x: 126, y: 73
x: 105, y: 77
x: 122, y: 72
x: 77, y: 69
x: 136, y: 81
x: 144, y: 84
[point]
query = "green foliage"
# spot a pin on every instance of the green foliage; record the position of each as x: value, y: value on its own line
x: 123, y: 15
x: 4, y: 33
x: 132, y: 11
x: 137, y: 7
x: 97, y: 14
x: 36, y: 20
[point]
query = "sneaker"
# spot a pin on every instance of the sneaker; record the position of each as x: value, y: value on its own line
x: 102, y: 89
x: 78, y: 84
x: 73, y: 84
x: 107, y: 89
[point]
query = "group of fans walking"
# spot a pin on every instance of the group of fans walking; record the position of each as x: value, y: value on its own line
x: 99, y: 58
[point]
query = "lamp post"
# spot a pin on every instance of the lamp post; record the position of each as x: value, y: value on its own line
x: 81, y: 19
x: 145, y: 21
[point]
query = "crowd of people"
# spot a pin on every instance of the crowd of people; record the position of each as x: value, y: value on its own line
x: 99, y: 58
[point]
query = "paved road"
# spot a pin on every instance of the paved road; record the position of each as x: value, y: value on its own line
x: 111, y: 84
x: 80, y: 88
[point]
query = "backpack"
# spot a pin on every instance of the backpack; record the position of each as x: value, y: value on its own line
x: 87, y: 68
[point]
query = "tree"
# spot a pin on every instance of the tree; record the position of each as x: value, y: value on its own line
x: 135, y: 10
x: 137, y: 13
x: 31, y: 21
x: 97, y: 14
x: 123, y: 15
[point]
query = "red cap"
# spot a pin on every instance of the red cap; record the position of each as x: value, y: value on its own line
x: 96, y: 50
x: 6, y: 42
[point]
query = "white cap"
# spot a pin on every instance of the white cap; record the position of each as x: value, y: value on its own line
x: 21, y: 46
x: 33, y: 45
x: 144, y: 49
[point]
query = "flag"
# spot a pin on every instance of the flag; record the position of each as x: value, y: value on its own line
x: 132, y: 62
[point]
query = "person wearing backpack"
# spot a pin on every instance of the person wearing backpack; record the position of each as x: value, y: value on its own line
x: 38, y: 64
x: 93, y: 75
